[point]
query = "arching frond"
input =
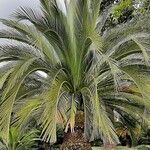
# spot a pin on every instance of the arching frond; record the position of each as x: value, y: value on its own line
x: 48, y: 117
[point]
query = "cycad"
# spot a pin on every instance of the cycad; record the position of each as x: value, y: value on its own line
x: 86, y: 70
x: 20, y: 139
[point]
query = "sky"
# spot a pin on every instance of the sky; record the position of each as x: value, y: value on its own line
x: 7, y: 7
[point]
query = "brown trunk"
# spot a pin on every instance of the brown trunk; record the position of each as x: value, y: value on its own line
x: 47, y: 146
x: 108, y: 146
x: 76, y: 140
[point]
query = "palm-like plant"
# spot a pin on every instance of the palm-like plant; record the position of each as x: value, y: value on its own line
x: 88, y: 73
x: 19, y: 139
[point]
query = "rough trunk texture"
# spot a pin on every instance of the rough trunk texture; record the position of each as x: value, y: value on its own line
x: 109, y: 147
x: 47, y: 146
x: 76, y: 140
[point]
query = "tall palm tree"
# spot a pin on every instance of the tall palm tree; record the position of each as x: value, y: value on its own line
x: 60, y: 68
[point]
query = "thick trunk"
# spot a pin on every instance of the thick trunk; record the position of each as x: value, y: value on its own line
x: 47, y: 146
x: 76, y: 140
x: 108, y: 146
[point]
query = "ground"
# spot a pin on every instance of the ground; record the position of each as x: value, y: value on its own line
x: 142, y: 147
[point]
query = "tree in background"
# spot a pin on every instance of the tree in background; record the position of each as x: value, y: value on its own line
x: 124, y: 10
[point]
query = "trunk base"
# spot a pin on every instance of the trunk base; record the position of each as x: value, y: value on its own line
x: 47, y: 146
x: 75, y: 141
x: 110, y: 147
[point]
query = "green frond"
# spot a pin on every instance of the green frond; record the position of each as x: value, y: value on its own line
x: 20, y: 139
x: 25, y: 111
x: 101, y: 123
x: 14, y: 35
x: 72, y: 114
x: 20, y: 51
x: 141, y: 80
x: 49, y: 115
x: 18, y: 72
x: 9, y: 95
x: 4, y: 78
x: 29, y: 14
x: 95, y: 6
x: 143, y: 48
x: 35, y: 37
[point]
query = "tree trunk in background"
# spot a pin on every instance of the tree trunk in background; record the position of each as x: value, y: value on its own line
x: 76, y: 140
